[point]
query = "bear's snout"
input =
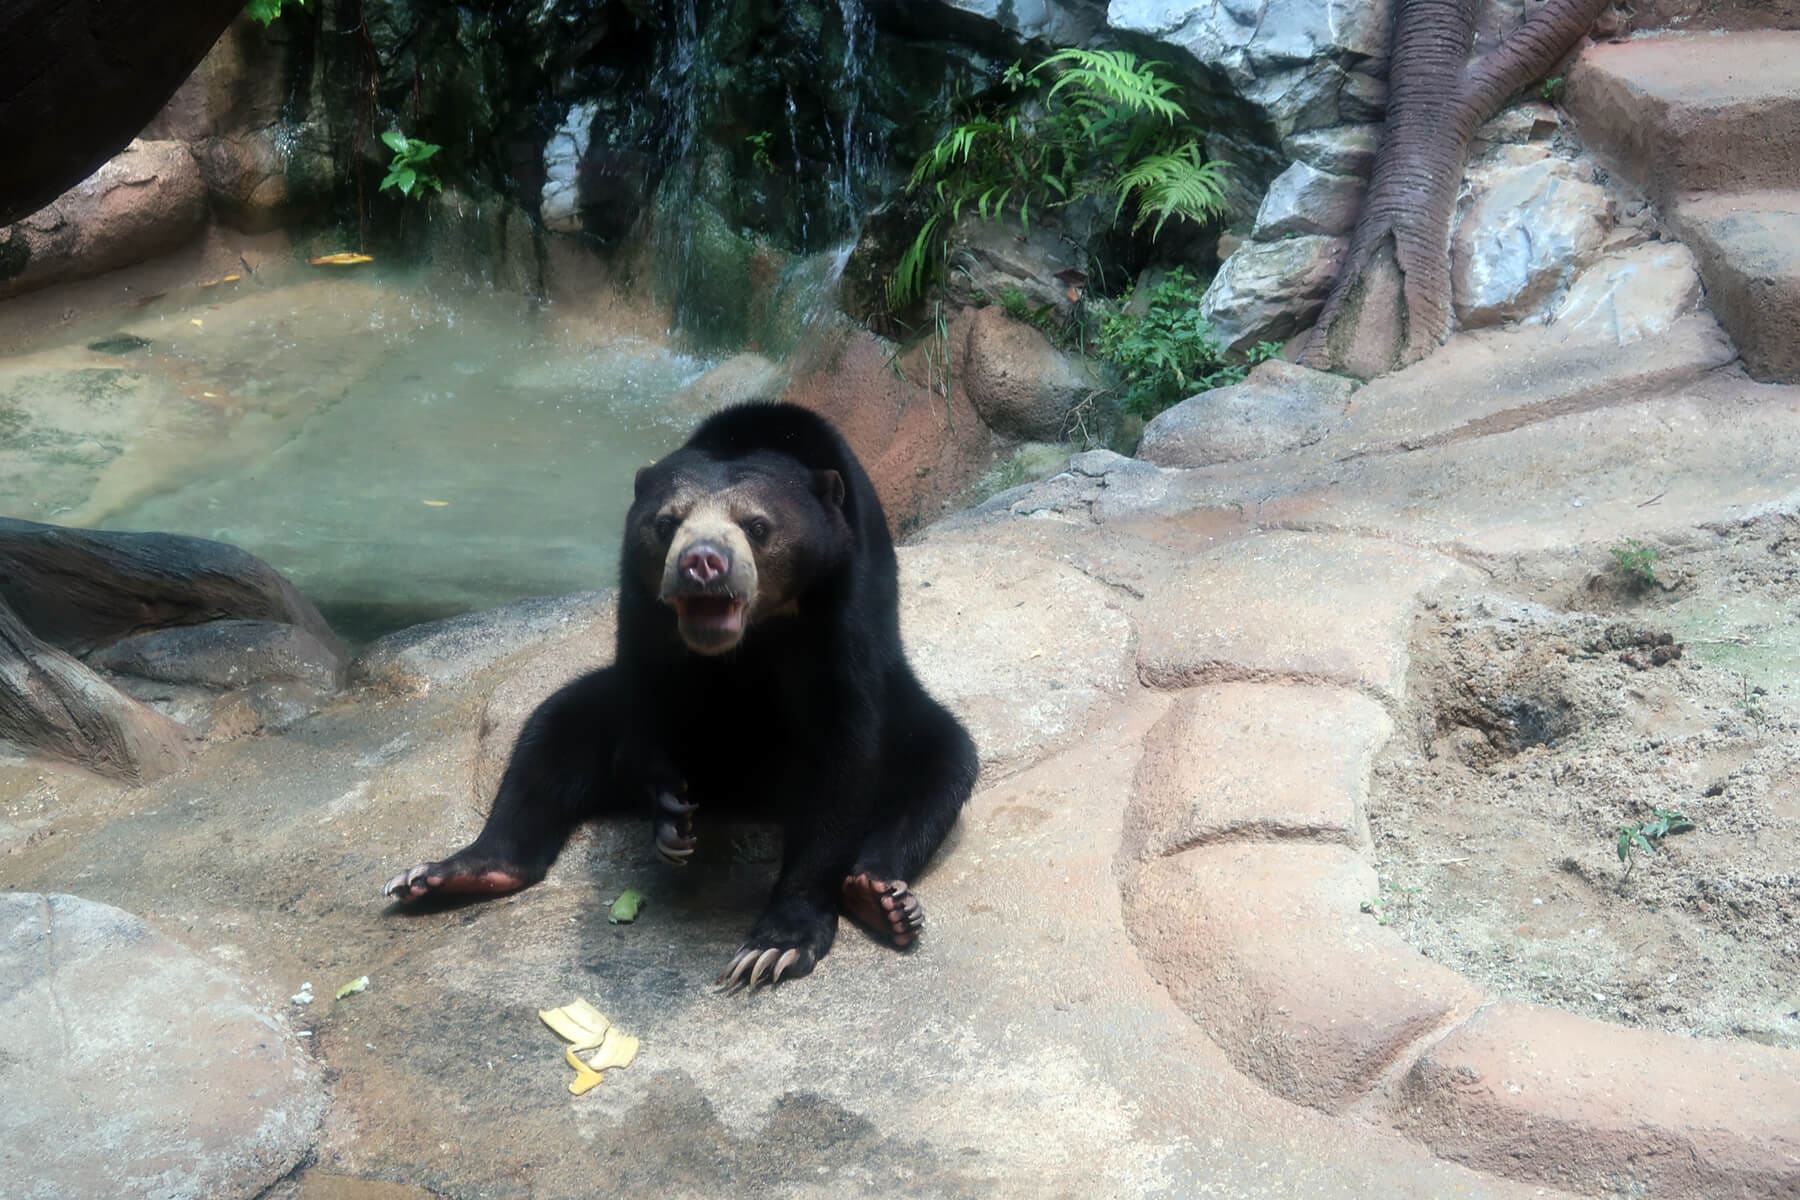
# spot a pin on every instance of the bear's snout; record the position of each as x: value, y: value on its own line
x: 703, y: 564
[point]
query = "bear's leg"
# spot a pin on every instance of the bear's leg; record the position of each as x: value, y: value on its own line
x: 797, y: 928
x: 557, y: 778
x: 927, y: 774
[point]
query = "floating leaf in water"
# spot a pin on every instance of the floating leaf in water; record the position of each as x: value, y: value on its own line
x: 344, y: 259
x: 231, y: 279
x: 195, y: 322
x: 625, y: 909
x: 435, y: 503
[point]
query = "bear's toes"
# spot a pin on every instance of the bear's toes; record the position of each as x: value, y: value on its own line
x: 449, y: 878
x: 675, y: 839
x: 887, y: 908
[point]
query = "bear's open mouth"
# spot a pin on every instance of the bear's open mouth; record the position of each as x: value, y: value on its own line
x: 710, y: 621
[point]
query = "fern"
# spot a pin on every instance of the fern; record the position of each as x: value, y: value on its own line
x: 1105, y: 124
x: 1173, y: 184
x: 1109, y: 79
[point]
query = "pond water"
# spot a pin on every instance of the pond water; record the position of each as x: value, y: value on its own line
x: 402, y: 455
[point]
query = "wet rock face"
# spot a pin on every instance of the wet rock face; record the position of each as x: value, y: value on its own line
x: 147, y: 201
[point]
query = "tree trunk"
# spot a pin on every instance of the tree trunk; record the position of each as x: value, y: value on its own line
x: 79, y: 589
x: 51, y: 704
x: 1390, y: 305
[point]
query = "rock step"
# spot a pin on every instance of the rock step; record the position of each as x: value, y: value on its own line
x: 1694, y: 111
x: 1748, y: 246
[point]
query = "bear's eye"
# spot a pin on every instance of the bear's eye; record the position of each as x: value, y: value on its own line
x: 758, y: 529
x: 665, y: 528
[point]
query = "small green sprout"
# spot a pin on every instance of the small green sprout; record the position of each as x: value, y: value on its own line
x: 1636, y: 561
x: 405, y: 172
x: 1646, y: 834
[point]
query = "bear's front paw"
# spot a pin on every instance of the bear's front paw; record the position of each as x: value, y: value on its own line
x: 675, y: 840
x: 784, y: 944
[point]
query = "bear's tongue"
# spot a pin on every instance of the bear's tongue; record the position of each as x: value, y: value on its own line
x: 711, y: 614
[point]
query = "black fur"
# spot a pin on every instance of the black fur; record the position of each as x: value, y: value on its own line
x: 814, y: 717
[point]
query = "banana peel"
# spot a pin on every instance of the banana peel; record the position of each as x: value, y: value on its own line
x: 585, y: 1028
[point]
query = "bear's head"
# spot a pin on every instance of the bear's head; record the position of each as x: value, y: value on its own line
x: 729, y: 543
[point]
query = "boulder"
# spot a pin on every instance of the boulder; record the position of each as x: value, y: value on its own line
x: 1622, y: 298
x: 222, y: 1100
x: 921, y: 446
x: 225, y: 654
x: 412, y: 661
x: 1281, y: 406
x: 1022, y: 386
x: 147, y: 201
x: 1305, y: 200
x: 1527, y: 224
x: 1268, y: 291
x: 989, y: 258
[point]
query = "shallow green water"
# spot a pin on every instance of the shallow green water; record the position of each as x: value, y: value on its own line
x: 399, y: 457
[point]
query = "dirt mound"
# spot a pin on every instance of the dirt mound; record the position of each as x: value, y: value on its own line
x: 1535, y: 738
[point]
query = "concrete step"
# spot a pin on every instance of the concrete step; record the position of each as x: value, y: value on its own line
x: 1748, y: 247
x: 1692, y: 112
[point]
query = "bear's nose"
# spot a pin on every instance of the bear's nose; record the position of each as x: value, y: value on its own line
x: 704, y: 563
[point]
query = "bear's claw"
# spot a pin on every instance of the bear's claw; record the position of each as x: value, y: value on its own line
x: 758, y: 960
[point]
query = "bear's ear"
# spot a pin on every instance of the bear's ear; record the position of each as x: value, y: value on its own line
x: 637, y: 484
x: 828, y: 486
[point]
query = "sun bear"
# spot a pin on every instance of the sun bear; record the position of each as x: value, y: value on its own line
x: 758, y: 669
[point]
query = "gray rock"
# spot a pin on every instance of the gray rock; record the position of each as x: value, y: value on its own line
x: 413, y: 661
x: 1634, y: 295
x: 224, y: 654
x: 1280, y: 407
x: 1339, y: 150
x: 1526, y: 121
x: 1304, y: 199
x: 132, y: 1067
x: 1070, y: 23
x: 1288, y: 56
x: 1527, y: 224
x: 1021, y: 385
x: 1268, y: 291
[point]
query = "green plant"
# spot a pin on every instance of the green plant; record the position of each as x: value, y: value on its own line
x: 1636, y: 561
x: 1081, y: 124
x: 1551, y: 89
x: 1390, y: 901
x: 265, y: 11
x: 405, y: 172
x: 1646, y: 834
x: 1167, y: 351
x: 759, y: 151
